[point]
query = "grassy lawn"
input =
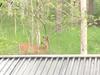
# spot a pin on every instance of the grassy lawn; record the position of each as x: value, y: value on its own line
x: 94, y: 40
x: 68, y: 42
x: 65, y: 42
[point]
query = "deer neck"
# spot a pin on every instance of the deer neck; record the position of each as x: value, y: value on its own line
x: 46, y: 45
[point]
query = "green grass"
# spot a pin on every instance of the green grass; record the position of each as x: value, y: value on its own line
x: 94, y: 40
x: 65, y: 42
x: 68, y: 42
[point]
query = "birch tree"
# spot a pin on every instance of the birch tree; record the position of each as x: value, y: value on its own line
x: 9, y: 5
x: 14, y: 9
x: 23, y: 7
x: 59, y: 15
x: 72, y: 11
x: 83, y: 26
x: 38, y: 14
x: 32, y: 23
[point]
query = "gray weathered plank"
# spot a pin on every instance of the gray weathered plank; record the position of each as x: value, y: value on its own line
x: 81, y: 67
x: 35, y: 67
x: 98, y: 67
x: 30, y: 66
x: 11, y: 68
x: 64, y: 66
x: 50, y: 66
x: 8, y: 64
x: 58, y: 67
x: 53, y: 66
x: 47, y: 66
x: 70, y: 66
x: 17, y: 67
x: 23, y: 67
x: 3, y: 64
x: 76, y: 67
x: 41, y: 67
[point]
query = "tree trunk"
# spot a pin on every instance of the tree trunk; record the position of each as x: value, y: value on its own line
x: 32, y: 23
x: 24, y: 7
x: 15, y: 22
x: 38, y: 38
x: 72, y: 11
x: 83, y: 26
x: 59, y: 16
x: 90, y: 7
x: 9, y: 5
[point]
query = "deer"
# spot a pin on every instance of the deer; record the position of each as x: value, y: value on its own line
x: 35, y: 49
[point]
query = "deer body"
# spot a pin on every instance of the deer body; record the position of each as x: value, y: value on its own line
x: 35, y: 49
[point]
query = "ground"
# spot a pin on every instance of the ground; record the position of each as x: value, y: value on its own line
x: 65, y: 42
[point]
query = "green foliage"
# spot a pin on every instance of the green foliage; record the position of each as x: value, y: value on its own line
x: 97, y: 8
x: 44, y: 14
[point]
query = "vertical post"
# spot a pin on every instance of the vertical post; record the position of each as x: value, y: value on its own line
x: 83, y: 26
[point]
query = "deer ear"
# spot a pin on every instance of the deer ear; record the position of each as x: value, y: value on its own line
x: 45, y: 37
